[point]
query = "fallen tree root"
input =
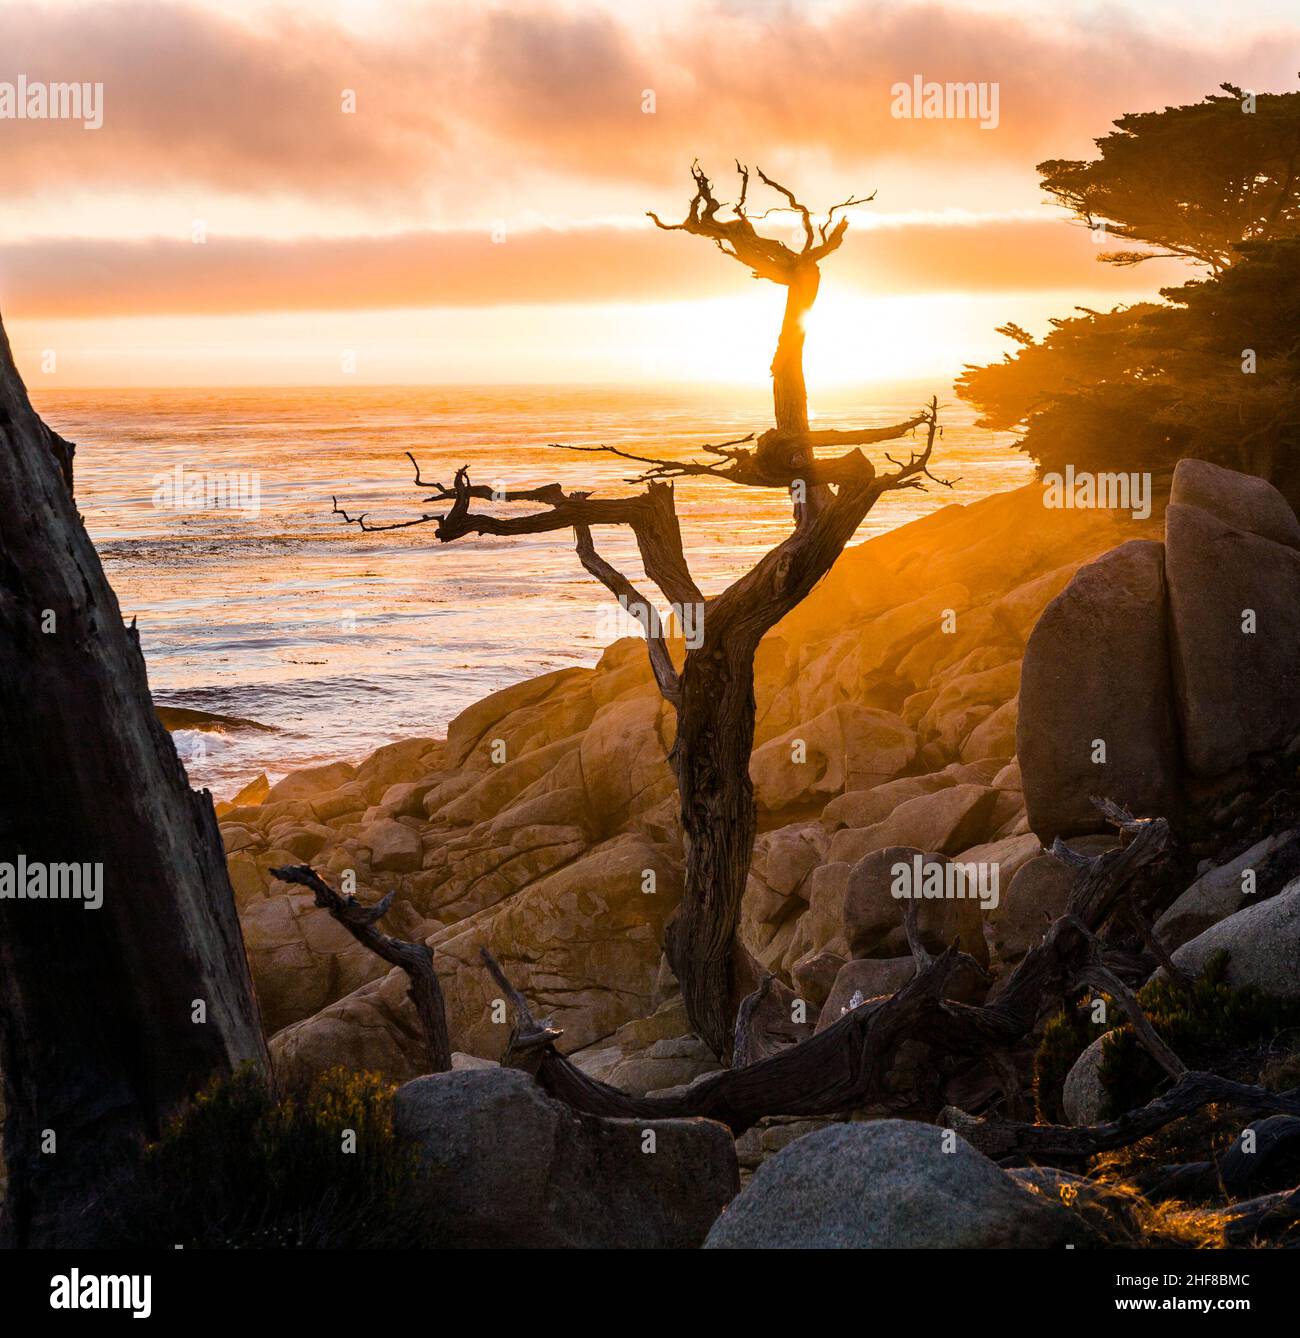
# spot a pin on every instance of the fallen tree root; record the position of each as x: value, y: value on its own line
x: 832, y: 1071
x: 416, y: 959
x: 847, y: 1064
x: 1016, y: 1144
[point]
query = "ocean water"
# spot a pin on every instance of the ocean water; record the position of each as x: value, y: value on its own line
x: 276, y: 611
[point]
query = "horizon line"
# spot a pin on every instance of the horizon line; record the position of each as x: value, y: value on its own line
x: 702, y: 386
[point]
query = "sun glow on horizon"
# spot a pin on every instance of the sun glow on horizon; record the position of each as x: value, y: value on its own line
x: 853, y: 339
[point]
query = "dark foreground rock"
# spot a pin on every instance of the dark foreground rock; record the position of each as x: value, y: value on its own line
x: 513, y: 1168
x: 888, y: 1184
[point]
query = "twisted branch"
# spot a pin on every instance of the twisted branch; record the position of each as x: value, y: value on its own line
x: 416, y: 959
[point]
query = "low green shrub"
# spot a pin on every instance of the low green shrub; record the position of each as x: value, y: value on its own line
x: 1208, y: 1025
x: 244, y: 1167
x: 1065, y: 1038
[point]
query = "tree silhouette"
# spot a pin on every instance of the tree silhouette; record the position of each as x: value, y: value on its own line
x: 712, y: 690
x: 1192, y: 181
x: 1215, y: 183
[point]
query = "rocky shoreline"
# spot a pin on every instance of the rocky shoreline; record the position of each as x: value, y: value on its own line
x: 941, y: 695
x: 899, y: 675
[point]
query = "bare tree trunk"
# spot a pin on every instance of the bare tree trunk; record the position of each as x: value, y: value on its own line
x: 848, y: 1064
x: 110, y: 1017
x: 714, y: 693
x: 715, y: 736
x: 789, y: 392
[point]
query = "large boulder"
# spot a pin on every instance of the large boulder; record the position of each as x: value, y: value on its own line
x: 300, y: 957
x: 367, y: 1029
x: 511, y: 1167
x: 852, y: 912
x: 868, y: 978
x: 873, y: 916
x: 848, y: 747
x: 865, y: 808
x: 1221, y: 892
x: 814, y: 974
x: 1244, y: 501
x: 859, y: 981
x: 1034, y: 897
x: 519, y: 718
x: 394, y: 847
x: 948, y: 820
x: 1010, y: 855
x: 404, y: 761
x: 471, y: 870
x: 1096, y: 669
x: 624, y: 760
x: 1083, y: 1098
x: 775, y: 895
x: 995, y: 737
x: 983, y: 683
x: 672, y: 1061
x: 310, y: 782
x: 1262, y: 942
x: 1233, y: 563
x: 888, y: 1184
x: 498, y: 787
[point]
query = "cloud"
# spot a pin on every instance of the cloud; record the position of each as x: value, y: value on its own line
x: 465, y: 102
x: 60, y: 278
x: 192, y: 96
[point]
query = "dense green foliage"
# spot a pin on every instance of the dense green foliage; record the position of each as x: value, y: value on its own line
x: 1210, y: 1025
x: 243, y: 1167
x: 1214, y: 370
x: 1191, y: 181
x: 1138, y: 388
x: 1065, y: 1038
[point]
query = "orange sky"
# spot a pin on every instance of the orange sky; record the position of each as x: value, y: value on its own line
x: 480, y: 216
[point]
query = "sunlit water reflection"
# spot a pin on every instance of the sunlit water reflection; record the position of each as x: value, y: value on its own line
x: 342, y: 640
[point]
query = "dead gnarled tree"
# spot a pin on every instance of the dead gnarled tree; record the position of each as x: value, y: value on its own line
x: 712, y: 691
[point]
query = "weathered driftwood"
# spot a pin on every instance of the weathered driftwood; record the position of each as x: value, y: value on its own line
x: 1263, y: 1220
x: 713, y: 691
x: 756, y: 1036
x: 109, y: 1018
x: 848, y: 1063
x: 416, y: 959
x: 1016, y: 1144
x: 831, y: 1072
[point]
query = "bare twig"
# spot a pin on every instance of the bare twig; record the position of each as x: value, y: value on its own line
x: 748, y: 1047
x: 912, y: 472
x: 1100, y: 977
x: 612, y: 579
